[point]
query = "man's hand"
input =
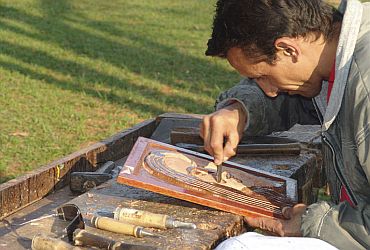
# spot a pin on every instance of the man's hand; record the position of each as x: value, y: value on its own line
x: 289, y: 227
x: 222, y: 131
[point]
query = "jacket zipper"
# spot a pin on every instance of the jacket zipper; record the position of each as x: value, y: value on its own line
x: 319, y: 115
x: 336, y: 169
x: 338, y: 172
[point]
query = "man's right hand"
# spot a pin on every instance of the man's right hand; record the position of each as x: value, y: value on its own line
x: 222, y: 131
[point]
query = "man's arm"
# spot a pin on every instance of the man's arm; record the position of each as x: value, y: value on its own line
x: 266, y: 114
x: 246, y: 109
x: 341, y: 225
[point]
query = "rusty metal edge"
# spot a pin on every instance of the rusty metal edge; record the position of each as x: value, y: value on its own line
x: 31, y: 187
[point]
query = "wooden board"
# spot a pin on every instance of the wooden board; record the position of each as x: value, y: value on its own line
x: 264, y: 194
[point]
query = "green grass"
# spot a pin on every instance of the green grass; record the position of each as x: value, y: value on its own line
x: 75, y: 72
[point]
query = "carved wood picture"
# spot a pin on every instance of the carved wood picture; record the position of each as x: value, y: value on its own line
x: 191, y: 176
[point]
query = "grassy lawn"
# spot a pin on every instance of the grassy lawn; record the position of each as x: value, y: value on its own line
x: 75, y: 72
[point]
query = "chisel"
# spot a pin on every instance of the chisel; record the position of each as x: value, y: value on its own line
x: 148, y: 219
x: 83, y: 238
x: 115, y: 226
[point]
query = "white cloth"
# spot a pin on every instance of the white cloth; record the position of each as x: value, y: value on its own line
x: 255, y: 241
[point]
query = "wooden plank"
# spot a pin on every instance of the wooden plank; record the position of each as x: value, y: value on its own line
x: 24, y: 190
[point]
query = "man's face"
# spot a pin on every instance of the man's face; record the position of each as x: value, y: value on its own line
x: 288, y: 74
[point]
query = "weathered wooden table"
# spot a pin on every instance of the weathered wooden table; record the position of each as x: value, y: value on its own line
x: 39, y: 192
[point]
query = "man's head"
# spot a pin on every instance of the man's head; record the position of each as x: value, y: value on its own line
x: 264, y: 37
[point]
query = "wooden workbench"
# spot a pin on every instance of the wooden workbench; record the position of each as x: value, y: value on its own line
x: 39, y: 192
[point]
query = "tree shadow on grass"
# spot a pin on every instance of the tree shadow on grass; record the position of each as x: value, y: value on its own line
x: 144, y: 57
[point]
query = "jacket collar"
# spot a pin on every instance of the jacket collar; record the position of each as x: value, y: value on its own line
x: 352, y: 10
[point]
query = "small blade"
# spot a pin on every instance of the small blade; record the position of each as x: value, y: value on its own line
x: 148, y: 233
x: 219, y: 173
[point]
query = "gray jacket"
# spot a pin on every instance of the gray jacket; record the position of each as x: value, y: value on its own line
x: 345, y: 132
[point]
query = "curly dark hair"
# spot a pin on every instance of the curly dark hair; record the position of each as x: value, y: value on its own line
x: 254, y: 25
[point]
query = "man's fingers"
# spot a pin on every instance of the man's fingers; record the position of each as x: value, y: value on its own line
x: 272, y: 225
x: 201, y: 130
x: 231, y: 145
x: 287, y: 212
x: 290, y: 212
x: 217, y: 140
x: 224, y: 123
x: 205, y: 133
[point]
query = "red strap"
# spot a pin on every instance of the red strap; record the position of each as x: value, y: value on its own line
x: 331, y: 82
x: 344, y: 196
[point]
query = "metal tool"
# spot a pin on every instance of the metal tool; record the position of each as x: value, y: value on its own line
x: 81, y: 182
x: 84, y: 238
x: 293, y: 148
x: 219, y: 173
x: 148, y: 219
x: 116, y: 226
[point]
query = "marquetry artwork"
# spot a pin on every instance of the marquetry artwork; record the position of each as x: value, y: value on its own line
x: 191, y: 176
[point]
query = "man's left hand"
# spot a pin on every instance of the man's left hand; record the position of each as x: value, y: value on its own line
x: 291, y: 226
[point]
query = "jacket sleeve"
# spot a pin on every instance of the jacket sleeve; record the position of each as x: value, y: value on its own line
x: 265, y: 114
x: 341, y: 225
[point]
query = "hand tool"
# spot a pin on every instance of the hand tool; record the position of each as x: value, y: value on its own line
x: 66, y: 212
x: 148, y: 219
x: 189, y: 138
x: 44, y: 242
x: 293, y: 148
x: 84, y: 238
x: 219, y: 173
x: 116, y: 226
x: 81, y: 182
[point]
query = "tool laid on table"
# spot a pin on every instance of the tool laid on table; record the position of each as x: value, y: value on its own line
x: 45, y: 242
x: 148, y: 219
x: 190, y: 139
x: 69, y: 213
x: 292, y: 148
x: 251, y: 149
x: 81, y: 182
x: 81, y: 238
x: 116, y: 226
x: 84, y: 238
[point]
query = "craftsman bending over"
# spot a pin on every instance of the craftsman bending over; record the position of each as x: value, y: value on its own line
x: 305, y: 63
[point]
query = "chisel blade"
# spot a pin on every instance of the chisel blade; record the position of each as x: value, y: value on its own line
x: 219, y: 173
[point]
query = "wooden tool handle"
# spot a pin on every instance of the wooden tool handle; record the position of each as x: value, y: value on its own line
x: 141, y: 218
x: 115, y: 226
x: 44, y: 242
x: 83, y: 238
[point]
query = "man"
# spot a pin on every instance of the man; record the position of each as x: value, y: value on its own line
x: 296, y: 55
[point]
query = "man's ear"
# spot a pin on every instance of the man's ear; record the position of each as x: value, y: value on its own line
x: 289, y: 47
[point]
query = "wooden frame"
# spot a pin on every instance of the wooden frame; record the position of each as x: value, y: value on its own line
x: 136, y: 173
